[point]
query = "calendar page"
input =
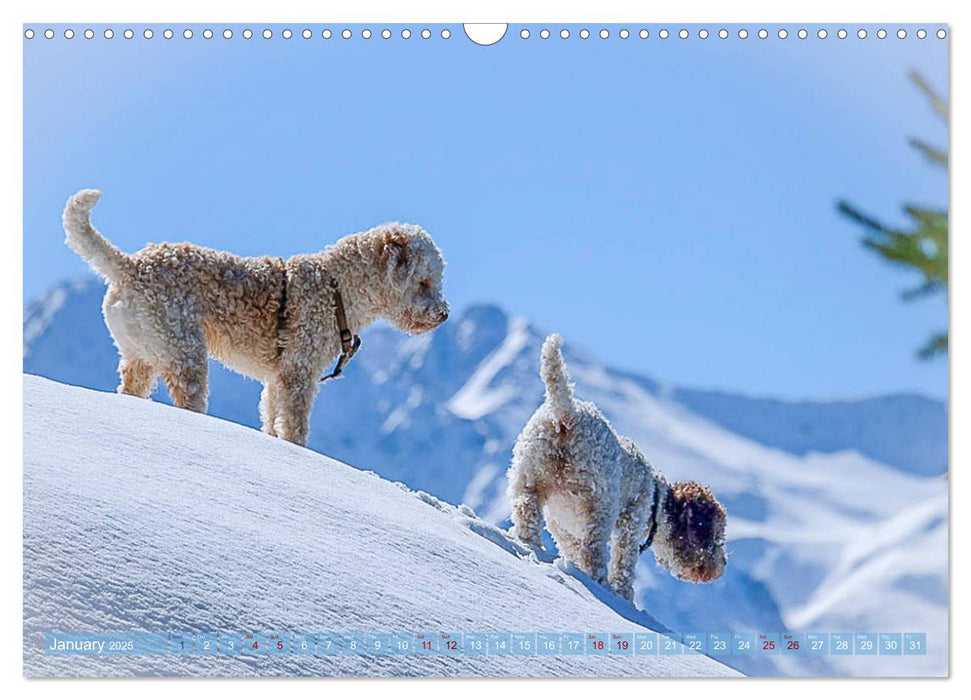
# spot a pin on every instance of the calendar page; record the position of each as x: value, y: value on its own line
x: 510, y: 350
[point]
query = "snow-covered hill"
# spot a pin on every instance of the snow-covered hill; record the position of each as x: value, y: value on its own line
x: 143, y: 517
x: 837, y: 511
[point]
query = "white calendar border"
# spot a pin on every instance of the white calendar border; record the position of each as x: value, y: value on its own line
x: 431, y: 11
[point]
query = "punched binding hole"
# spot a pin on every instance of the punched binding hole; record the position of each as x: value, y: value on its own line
x: 489, y: 34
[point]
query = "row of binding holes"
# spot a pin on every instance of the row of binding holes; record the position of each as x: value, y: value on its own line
x: 724, y: 34
x: 446, y: 33
x: 246, y: 34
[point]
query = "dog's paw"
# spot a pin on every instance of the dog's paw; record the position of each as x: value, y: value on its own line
x: 533, y: 541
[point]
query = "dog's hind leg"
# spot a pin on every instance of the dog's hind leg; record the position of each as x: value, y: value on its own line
x: 593, y: 556
x: 527, y: 517
x: 188, y: 383
x: 187, y: 373
x: 524, y: 492
x: 137, y: 377
x: 624, y: 552
x: 593, y: 545
x: 268, y: 407
x: 295, y: 399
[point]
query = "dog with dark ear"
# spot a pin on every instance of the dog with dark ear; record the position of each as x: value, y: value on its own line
x: 601, y: 499
x: 690, y: 539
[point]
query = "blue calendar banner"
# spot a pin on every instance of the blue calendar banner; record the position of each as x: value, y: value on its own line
x: 669, y: 646
x: 106, y: 644
x: 277, y: 643
x: 572, y: 643
x: 548, y: 643
x: 180, y: 643
x: 768, y: 643
x: 329, y: 644
x: 891, y: 643
x: 817, y: 643
x: 475, y: 643
x: 743, y: 643
x: 500, y: 644
x: 205, y: 644
x: 426, y: 643
x: 303, y: 643
x: 596, y: 643
x: 252, y: 644
x: 402, y: 643
x: 645, y: 644
x: 841, y: 643
x: 695, y: 642
x: 524, y: 643
x: 719, y: 643
x: 622, y: 643
x: 793, y: 644
x: 865, y: 644
x: 378, y: 643
x: 450, y: 643
x: 915, y: 643
x: 230, y: 644
x: 352, y: 644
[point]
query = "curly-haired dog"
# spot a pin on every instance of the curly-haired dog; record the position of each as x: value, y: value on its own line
x: 171, y: 306
x: 595, y: 487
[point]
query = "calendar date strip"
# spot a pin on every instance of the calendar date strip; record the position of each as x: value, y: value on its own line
x: 485, y: 643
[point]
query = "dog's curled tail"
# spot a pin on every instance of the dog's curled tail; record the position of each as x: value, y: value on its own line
x: 552, y: 368
x: 85, y: 240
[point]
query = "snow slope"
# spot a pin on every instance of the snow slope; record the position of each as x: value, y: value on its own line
x: 837, y: 510
x: 143, y: 517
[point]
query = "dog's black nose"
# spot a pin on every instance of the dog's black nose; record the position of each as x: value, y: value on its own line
x: 443, y: 316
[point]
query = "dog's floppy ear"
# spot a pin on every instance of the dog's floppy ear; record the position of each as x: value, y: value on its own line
x: 704, y: 517
x: 696, y: 516
x: 395, y: 256
x: 695, y: 532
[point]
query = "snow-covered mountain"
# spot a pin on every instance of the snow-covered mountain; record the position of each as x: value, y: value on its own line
x: 142, y: 517
x: 837, y: 511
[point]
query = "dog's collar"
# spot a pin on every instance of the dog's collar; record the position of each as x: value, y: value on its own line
x: 281, y: 309
x: 655, y: 501
x: 350, y: 344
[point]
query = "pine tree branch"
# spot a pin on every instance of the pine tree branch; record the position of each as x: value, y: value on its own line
x: 924, y: 248
x: 935, y: 219
x: 849, y: 211
x: 939, y: 105
x: 934, y: 155
x: 937, y: 345
x: 926, y: 289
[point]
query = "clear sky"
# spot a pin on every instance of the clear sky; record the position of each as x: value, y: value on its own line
x: 669, y: 205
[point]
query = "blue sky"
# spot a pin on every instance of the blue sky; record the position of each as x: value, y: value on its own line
x: 667, y: 204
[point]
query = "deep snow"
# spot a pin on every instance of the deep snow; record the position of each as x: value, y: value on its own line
x: 142, y: 517
x: 837, y: 510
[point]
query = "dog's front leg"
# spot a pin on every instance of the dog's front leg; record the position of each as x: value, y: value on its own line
x: 295, y: 399
x: 137, y: 377
x: 268, y: 407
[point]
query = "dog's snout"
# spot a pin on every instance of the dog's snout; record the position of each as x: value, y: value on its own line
x: 443, y: 315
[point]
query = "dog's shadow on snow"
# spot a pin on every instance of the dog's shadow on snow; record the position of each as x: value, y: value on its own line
x: 503, y: 539
x: 619, y: 605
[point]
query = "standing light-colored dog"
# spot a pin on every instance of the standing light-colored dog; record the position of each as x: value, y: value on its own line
x: 596, y: 488
x: 169, y: 307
